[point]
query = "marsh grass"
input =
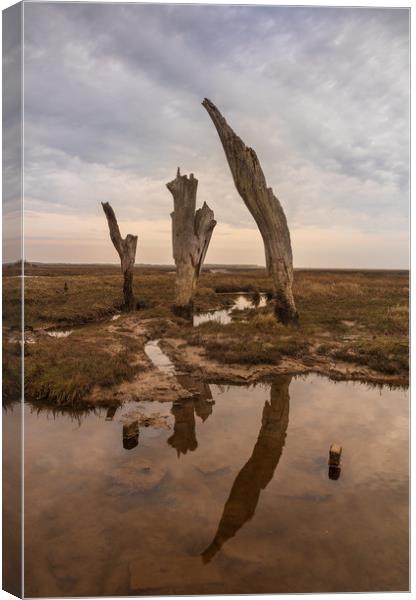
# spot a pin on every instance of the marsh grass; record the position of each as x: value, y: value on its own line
x: 355, y: 316
x: 11, y: 371
x: 383, y: 354
x: 63, y: 370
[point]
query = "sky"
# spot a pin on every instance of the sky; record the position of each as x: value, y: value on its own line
x: 113, y: 106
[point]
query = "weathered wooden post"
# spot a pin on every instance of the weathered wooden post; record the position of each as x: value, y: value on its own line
x: 266, y: 209
x: 334, y: 461
x: 126, y: 249
x: 191, y: 234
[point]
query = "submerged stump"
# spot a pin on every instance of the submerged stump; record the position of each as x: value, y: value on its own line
x: 126, y: 249
x: 266, y: 210
x: 191, y: 234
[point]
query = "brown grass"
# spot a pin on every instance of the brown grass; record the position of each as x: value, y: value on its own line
x: 356, y: 316
x: 62, y: 371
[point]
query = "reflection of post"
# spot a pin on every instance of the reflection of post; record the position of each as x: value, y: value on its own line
x: 184, y: 437
x: 259, y: 469
x: 111, y: 411
x: 130, y: 435
x: 203, y: 402
x: 203, y: 407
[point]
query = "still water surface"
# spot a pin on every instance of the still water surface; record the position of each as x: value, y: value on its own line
x: 242, y: 301
x: 233, y: 498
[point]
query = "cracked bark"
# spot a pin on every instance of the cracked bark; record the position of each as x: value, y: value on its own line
x: 191, y: 234
x: 126, y: 249
x: 266, y: 209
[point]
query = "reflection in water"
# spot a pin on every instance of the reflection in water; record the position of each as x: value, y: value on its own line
x: 110, y: 413
x: 146, y: 516
x: 184, y: 436
x: 203, y: 408
x: 258, y: 470
x: 224, y: 316
x: 131, y: 435
x: 334, y: 472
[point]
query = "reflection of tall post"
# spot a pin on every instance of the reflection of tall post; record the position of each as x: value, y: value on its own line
x: 130, y: 435
x: 184, y: 435
x: 258, y: 470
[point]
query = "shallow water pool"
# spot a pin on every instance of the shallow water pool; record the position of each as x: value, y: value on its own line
x: 233, y: 498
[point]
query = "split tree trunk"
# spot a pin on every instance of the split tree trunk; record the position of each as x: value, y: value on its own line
x: 266, y: 209
x: 191, y: 234
x: 126, y: 249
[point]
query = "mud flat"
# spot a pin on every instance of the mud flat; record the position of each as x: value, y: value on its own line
x: 193, y: 359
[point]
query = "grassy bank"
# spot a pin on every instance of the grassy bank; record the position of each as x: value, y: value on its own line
x: 63, y: 371
x: 357, y: 317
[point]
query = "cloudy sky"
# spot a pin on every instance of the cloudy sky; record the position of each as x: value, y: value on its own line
x: 113, y: 105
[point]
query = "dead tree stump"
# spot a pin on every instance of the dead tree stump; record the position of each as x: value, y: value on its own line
x: 191, y: 234
x: 266, y: 210
x: 126, y: 249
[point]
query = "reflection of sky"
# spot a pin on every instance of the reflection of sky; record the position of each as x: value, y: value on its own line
x: 113, y: 97
x: 322, y: 534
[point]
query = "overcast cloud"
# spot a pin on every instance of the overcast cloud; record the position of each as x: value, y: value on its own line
x: 113, y: 105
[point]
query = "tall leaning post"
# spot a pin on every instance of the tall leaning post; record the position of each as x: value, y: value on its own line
x: 266, y: 209
x: 191, y: 234
x: 126, y: 249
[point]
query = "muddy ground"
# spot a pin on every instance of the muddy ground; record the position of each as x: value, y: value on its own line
x: 81, y: 349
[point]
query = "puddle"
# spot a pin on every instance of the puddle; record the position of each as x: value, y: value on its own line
x: 235, y: 497
x: 223, y: 316
x: 220, y: 316
x: 159, y: 358
x: 17, y: 338
x: 59, y: 334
